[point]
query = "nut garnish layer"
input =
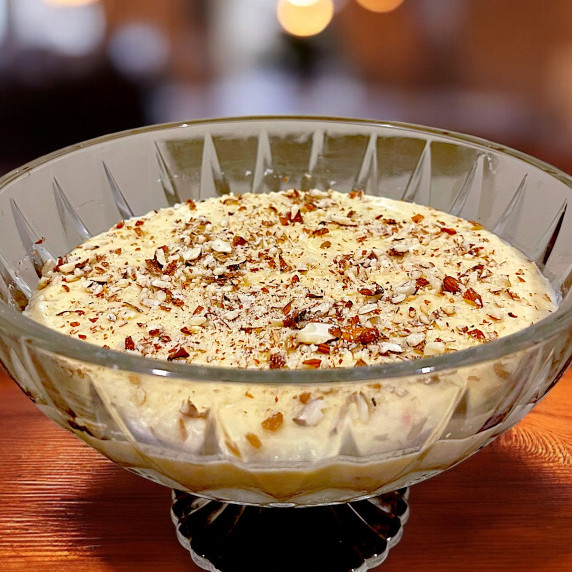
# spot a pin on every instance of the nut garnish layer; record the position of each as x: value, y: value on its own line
x: 293, y: 279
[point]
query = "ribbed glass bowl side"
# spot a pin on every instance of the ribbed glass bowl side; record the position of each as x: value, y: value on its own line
x: 424, y: 424
x: 428, y: 415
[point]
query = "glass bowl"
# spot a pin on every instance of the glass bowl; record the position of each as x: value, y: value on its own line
x: 427, y: 415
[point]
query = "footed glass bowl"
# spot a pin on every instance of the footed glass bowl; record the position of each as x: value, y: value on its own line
x: 342, y: 493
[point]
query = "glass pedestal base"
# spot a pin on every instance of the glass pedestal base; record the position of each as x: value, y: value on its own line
x: 352, y: 537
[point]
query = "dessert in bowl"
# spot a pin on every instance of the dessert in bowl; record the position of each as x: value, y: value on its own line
x: 370, y: 367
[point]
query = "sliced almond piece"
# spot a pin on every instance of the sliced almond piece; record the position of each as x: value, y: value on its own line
x: 434, y: 348
x: 390, y: 347
x: 192, y: 254
x: 415, y: 339
x: 311, y: 414
x: 219, y: 245
x: 315, y: 333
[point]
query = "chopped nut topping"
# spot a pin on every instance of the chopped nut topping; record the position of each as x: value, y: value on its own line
x: 219, y: 245
x: 477, y: 334
x: 178, y: 353
x: 434, y: 348
x: 376, y: 290
x: 367, y: 308
x: 238, y: 241
x: 472, y: 296
x: 415, y: 339
x: 387, y: 347
x: 189, y: 409
x: 276, y: 361
x: 292, y: 279
x: 253, y: 440
x: 363, y: 406
x: 451, y: 284
x: 311, y: 414
x: 192, y: 254
x: 274, y: 422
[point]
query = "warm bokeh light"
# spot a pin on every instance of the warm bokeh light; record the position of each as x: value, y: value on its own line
x: 380, y: 5
x: 302, y: 2
x: 70, y: 2
x: 304, y: 18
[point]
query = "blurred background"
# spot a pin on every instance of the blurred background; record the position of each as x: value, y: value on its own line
x: 74, y: 69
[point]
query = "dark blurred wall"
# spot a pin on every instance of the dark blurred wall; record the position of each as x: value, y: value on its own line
x: 49, y: 100
x: 36, y: 119
x: 501, y: 69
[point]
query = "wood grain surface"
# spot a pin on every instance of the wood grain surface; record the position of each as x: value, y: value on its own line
x: 65, y: 507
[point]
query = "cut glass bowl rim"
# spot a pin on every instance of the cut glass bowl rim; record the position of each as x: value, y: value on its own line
x: 50, y: 340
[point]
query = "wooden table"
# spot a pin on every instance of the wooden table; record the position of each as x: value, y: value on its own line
x: 64, y: 507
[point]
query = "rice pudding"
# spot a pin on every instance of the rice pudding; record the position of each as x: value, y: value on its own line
x: 292, y: 280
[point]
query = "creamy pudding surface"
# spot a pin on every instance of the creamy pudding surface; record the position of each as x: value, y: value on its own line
x: 292, y: 280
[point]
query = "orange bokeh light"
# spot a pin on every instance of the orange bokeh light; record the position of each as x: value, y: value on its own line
x: 304, y: 18
x: 302, y: 2
x: 380, y: 5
